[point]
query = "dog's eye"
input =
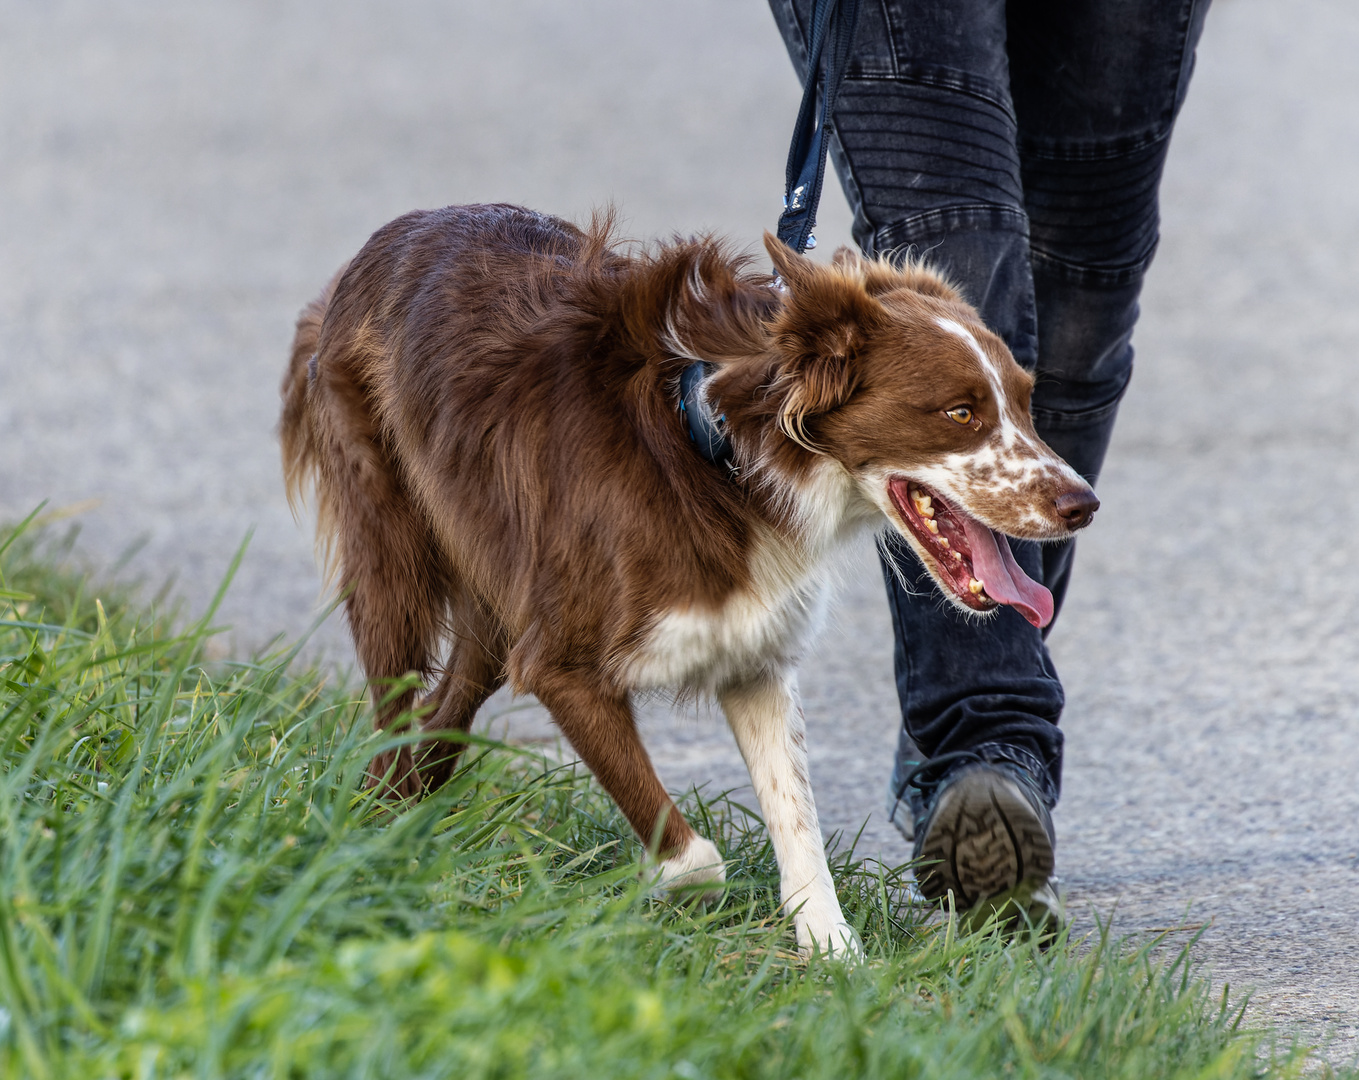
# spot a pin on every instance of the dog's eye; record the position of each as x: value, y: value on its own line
x: 961, y: 415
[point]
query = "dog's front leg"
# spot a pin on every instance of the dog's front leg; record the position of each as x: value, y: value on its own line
x: 600, y: 726
x: 766, y: 718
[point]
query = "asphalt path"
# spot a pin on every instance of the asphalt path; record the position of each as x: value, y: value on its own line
x: 176, y: 179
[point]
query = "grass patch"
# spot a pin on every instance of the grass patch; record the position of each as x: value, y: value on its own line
x: 193, y: 883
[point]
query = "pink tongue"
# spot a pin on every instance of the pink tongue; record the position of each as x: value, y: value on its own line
x: 1005, y: 580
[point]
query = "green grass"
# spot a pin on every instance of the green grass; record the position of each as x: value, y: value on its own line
x: 194, y: 883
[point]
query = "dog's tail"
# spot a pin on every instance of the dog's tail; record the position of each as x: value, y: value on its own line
x: 296, y: 433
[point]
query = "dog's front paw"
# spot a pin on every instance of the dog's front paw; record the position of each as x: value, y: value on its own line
x: 836, y: 940
x: 699, y: 864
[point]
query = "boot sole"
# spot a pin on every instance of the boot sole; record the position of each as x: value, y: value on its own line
x: 984, y: 840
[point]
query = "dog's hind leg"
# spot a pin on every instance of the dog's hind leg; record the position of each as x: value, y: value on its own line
x: 396, y: 602
x: 475, y: 670
x: 600, y: 726
x: 766, y: 718
x: 392, y: 574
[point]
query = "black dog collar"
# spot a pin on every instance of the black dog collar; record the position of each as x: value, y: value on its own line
x: 706, y: 431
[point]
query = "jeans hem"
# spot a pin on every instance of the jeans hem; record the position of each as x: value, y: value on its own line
x: 1030, y: 762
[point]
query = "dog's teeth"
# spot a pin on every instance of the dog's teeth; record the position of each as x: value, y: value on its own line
x: 932, y: 525
x: 943, y: 541
x: 957, y: 556
x: 975, y: 586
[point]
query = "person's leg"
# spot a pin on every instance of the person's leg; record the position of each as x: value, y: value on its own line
x: 929, y: 153
x: 1096, y: 89
x: 926, y: 151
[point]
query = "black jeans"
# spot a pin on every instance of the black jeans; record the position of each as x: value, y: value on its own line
x: 1018, y: 147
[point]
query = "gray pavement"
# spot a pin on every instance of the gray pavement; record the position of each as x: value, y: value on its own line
x: 178, y: 178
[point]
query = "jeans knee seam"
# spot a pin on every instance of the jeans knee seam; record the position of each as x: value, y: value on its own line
x: 1087, y: 150
x: 1051, y: 418
x: 958, y: 82
x: 916, y: 227
x: 1112, y: 277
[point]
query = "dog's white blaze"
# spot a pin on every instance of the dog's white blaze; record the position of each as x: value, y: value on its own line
x: 1009, y: 434
x: 1020, y: 461
x: 767, y: 720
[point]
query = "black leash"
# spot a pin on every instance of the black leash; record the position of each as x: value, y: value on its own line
x: 833, y: 23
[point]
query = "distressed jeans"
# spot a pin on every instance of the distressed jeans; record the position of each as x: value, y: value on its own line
x: 1018, y: 147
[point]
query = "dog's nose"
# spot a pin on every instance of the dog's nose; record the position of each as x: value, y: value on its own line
x: 1076, y: 508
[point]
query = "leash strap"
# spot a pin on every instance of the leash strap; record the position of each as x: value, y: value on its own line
x: 833, y: 23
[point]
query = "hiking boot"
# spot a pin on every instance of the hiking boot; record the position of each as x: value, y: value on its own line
x: 982, y: 831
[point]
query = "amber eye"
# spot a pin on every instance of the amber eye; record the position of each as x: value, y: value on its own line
x: 961, y: 415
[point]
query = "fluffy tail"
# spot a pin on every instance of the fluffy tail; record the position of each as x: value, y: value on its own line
x: 295, y: 431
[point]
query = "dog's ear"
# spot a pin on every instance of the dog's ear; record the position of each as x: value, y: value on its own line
x: 811, y: 389
x: 876, y: 277
x: 880, y: 276
x: 820, y: 333
x: 845, y: 256
x: 794, y: 269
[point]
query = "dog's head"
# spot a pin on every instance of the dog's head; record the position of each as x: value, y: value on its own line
x: 888, y: 371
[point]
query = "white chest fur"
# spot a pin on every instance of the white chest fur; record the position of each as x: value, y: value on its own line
x: 769, y: 624
x: 704, y: 649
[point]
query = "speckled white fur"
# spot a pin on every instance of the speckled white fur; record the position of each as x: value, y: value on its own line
x: 1011, y: 458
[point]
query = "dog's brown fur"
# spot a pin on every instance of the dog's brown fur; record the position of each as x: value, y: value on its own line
x: 486, y: 399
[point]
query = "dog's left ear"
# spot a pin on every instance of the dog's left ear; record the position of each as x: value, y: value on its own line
x: 795, y: 270
x: 820, y: 332
x: 878, y: 277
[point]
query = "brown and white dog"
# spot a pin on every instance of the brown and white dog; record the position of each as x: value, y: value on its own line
x: 486, y: 398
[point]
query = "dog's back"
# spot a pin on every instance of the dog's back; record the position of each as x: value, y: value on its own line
x: 453, y: 243
x: 483, y: 404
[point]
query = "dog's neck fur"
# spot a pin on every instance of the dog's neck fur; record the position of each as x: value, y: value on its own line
x: 805, y: 506
x: 714, y: 316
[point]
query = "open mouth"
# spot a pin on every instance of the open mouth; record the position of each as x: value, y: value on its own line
x: 973, y: 562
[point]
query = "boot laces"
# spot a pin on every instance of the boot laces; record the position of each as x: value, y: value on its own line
x: 928, y: 775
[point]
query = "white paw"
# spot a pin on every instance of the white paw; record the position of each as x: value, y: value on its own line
x: 698, y: 864
x: 835, y: 939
